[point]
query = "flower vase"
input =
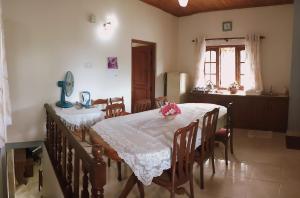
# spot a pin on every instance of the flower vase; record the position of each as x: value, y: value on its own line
x: 170, y: 117
x: 233, y: 90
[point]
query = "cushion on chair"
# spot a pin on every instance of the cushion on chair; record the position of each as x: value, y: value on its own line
x: 221, y: 132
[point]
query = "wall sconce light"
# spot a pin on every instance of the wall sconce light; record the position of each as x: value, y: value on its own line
x: 107, y: 28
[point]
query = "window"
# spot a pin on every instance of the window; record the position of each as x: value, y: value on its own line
x: 225, y: 65
x: 210, y: 67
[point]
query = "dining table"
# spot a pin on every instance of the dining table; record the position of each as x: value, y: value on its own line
x: 144, y: 140
x: 78, y: 119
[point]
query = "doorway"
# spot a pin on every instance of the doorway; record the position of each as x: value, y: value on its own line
x: 143, y: 71
x: 24, y: 166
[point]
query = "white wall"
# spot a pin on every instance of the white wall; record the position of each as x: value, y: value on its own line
x: 294, y: 113
x: 275, y: 22
x: 46, y: 38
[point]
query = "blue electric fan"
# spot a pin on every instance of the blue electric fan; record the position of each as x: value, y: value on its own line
x: 67, y: 87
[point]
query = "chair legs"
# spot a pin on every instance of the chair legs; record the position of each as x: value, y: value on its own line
x: 201, y: 176
x: 202, y: 172
x: 225, y: 143
x: 192, y: 186
x: 172, y: 193
x: 108, y: 162
x: 119, y: 171
x: 213, y: 163
x: 226, y: 152
x: 231, y: 143
x: 129, y: 185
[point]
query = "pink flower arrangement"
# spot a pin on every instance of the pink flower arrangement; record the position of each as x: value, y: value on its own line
x: 170, y: 109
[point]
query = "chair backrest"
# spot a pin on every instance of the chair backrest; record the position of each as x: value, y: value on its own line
x: 115, y: 110
x: 229, y: 121
x: 208, y: 131
x: 183, y: 152
x: 142, y: 105
x: 160, y: 101
x: 100, y: 102
x: 116, y: 100
x: 103, y: 102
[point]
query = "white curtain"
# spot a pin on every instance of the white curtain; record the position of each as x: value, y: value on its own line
x: 254, y: 83
x: 5, y: 108
x: 200, y: 48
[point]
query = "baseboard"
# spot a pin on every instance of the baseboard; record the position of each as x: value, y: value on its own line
x: 293, y: 140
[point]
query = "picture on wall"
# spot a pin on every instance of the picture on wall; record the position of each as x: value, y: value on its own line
x: 112, y: 63
x: 227, y: 26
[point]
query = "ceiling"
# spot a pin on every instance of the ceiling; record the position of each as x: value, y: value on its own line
x: 196, y: 6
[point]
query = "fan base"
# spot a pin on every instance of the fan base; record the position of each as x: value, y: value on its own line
x: 64, y: 104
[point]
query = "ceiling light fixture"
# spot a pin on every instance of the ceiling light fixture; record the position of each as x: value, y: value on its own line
x: 183, y: 3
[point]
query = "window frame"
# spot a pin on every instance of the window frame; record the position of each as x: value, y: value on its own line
x: 216, y: 49
x: 238, y: 62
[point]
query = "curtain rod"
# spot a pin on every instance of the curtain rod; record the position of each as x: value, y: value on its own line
x: 226, y: 39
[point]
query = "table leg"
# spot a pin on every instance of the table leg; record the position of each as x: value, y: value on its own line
x: 141, y: 189
x: 130, y: 184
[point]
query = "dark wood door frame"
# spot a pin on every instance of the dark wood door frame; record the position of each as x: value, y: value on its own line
x: 153, y: 63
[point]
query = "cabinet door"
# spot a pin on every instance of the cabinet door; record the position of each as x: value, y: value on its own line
x: 278, y: 113
x: 249, y: 113
x: 261, y: 112
x: 252, y: 112
x: 240, y: 113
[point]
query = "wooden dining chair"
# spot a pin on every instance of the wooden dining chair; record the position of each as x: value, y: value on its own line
x: 142, y: 105
x: 103, y: 102
x: 206, y: 150
x: 160, y: 101
x: 225, y: 135
x: 115, y: 110
x: 183, y: 154
x: 116, y: 100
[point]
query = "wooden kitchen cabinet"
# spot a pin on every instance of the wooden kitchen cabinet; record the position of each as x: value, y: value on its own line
x: 269, y: 113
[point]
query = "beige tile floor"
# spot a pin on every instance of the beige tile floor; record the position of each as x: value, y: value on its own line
x: 260, y: 168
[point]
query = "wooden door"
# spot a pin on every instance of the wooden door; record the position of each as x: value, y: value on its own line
x: 142, y: 73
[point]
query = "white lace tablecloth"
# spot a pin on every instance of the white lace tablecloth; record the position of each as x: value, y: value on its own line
x: 77, y: 118
x: 144, y: 140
